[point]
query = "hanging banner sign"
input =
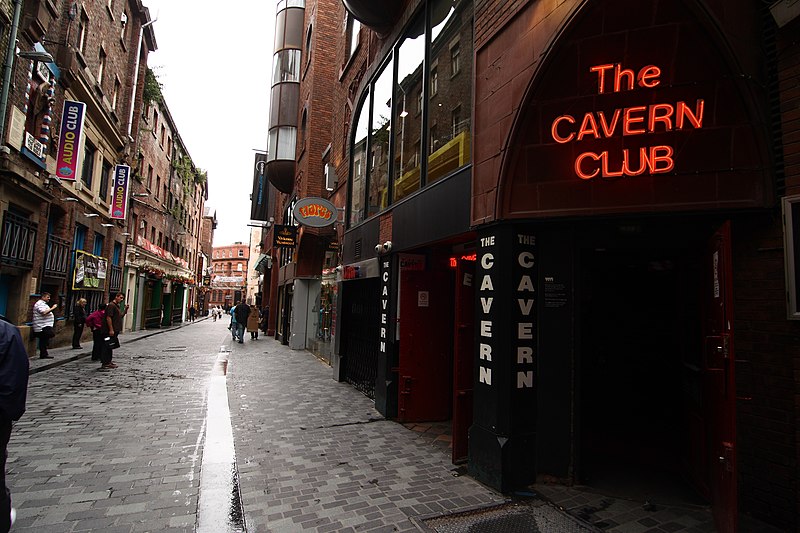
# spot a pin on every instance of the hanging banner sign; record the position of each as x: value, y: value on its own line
x: 90, y: 272
x: 259, y: 207
x: 315, y: 212
x: 285, y: 236
x: 69, y: 141
x: 119, y: 197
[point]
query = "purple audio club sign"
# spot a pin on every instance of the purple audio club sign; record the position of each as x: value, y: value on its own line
x: 69, y: 142
x: 119, y: 192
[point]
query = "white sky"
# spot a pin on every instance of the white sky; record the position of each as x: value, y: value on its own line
x: 214, y: 61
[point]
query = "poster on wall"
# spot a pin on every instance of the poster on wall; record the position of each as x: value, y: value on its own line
x: 90, y: 272
x: 69, y: 143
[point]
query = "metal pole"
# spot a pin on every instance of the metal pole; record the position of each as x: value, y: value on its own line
x: 8, y: 65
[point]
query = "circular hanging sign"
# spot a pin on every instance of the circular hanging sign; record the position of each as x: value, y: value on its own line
x: 315, y: 212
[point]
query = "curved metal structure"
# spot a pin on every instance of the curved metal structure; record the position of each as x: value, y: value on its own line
x: 379, y: 16
x: 285, y: 96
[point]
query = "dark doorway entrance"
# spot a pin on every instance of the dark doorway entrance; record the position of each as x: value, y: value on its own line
x: 640, y: 357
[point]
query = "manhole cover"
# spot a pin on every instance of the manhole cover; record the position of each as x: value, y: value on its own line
x: 513, y: 517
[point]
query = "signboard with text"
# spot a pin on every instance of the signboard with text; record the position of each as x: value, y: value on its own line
x: 606, y: 130
x: 285, y: 236
x: 69, y: 141
x: 119, y: 192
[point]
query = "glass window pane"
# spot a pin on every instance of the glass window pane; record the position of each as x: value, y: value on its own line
x: 408, y: 119
x: 286, y: 66
x: 450, y: 99
x: 379, y: 141
x: 359, y: 159
x: 294, y: 28
x: 286, y: 142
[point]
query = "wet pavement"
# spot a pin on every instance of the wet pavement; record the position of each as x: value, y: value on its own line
x: 194, y: 433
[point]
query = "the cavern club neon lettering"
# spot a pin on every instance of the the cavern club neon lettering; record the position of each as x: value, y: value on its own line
x: 634, y: 120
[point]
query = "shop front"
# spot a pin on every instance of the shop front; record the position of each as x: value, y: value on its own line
x: 621, y: 215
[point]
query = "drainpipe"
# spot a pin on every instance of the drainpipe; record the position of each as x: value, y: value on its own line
x: 7, y: 69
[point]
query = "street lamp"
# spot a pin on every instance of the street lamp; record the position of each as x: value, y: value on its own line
x: 36, y: 55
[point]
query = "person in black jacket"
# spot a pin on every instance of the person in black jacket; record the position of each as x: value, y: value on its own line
x: 78, y: 321
x: 242, y: 311
x: 13, y: 394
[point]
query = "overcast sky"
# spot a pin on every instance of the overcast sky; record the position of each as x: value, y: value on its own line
x: 214, y: 61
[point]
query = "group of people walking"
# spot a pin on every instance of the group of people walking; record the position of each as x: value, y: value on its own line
x: 105, y: 323
x: 245, y: 316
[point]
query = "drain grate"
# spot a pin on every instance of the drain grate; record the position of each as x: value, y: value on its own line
x: 534, y: 516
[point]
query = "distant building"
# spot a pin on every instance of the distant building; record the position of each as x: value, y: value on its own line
x: 229, y: 274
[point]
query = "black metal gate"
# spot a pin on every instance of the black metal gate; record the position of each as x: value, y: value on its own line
x: 360, y: 324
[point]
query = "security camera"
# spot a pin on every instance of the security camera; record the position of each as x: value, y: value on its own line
x: 378, y: 248
x: 387, y: 246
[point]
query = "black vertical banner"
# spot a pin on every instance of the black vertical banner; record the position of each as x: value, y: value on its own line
x: 259, y: 198
x: 492, y: 366
x: 386, y: 378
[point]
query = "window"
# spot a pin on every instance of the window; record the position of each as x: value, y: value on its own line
x: 359, y: 156
x: 115, y: 94
x: 408, y: 93
x: 379, y: 141
x: 309, y: 33
x: 106, y: 178
x: 89, y: 152
x: 155, y: 120
x: 123, y: 21
x: 239, y: 267
x: 101, y: 66
x: 98, y: 244
x: 241, y: 253
x: 149, y: 177
x: 153, y: 234
x: 455, y: 120
x: 83, y: 32
x: 303, y: 125
x: 791, y: 241
x: 158, y: 186
x: 353, y: 34
x: 163, y: 136
x: 287, y: 66
x: 455, y: 58
x: 434, y: 81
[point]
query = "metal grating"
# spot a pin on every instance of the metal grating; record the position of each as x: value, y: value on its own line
x: 536, y: 516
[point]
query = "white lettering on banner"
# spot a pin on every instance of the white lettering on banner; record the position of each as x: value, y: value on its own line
x: 384, y: 304
x: 485, y: 352
x: 525, y: 288
x: 486, y: 263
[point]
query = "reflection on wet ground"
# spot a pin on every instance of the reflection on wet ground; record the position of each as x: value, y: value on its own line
x: 220, y: 506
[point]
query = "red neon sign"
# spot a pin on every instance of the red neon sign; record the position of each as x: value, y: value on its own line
x: 628, y: 121
x: 454, y: 260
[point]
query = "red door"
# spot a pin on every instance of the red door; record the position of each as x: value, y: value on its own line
x: 426, y: 310
x: 464, y: 317
x: 719, y: 385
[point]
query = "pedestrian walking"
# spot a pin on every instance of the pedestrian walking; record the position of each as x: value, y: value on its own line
x: 113, y: 328
x: 192, y: 313
x: 95, y: 322
x: 253, y: 319
x: 242, y: 311
x: 232, y: 325
x: 214, y: 314
x: 265, y: 319
x: 43, y: 321
x: 78, y: 321
x: 13, y: 394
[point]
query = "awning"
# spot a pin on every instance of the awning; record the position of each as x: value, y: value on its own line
x: 263, y: 263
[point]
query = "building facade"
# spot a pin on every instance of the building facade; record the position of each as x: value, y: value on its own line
x: 69, y: 104
x: 168, y: 194
x: 229, y: 277
x: 570, y: 229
